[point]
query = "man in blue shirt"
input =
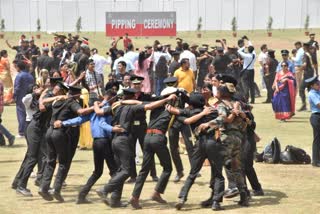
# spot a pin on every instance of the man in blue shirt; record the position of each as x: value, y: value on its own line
x: 101, y: 144
x: 314, y: 100
x: 21, y: 84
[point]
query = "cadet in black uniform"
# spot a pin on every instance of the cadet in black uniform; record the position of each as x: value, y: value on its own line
x: 124, y: 117
x: 206, y: 147
x: 36, y: 142
x: 174, y: 131
x: 58, y: 142
x: 139, y: 128
x: 155, y: 143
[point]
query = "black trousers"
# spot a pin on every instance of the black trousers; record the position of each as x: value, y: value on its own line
x: 139, y: 133
x: 102, y: 151
x: 58, y: 147
x: 302, y: 92
x: 315, y: 123
x: 247, y: 155
x: 154, y: 144
x: 269, y: 82
x: 35, y: 139
x: 123, y: 155
x: 247, y: 80
x: 73, y: 138
x: 174, y: 145
x: 205, y: 148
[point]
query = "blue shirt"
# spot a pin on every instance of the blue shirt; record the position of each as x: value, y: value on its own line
x: 290, y: 66
x: 21, y: 85
x: 298, y: 60
x: 95, y: 120
x: 314, y: 99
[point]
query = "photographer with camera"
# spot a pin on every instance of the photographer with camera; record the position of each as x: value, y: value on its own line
x: 247, y: 73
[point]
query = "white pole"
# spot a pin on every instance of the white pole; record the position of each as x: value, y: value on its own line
x: 47, y: 15
x: 284, y: 14
x: 13, y: 15
x: 62, y: 15
x: 29, y: 16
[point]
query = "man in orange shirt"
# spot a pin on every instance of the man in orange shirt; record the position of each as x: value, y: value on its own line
x: 185, y: 76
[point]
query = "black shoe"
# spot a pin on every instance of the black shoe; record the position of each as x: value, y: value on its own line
x: 135, y: 203
x: 101, y: 193
x: 230, y: 193
x: 258, y: 192
x: 178, y: 177
x: 216, y: 206
x: 131, y: 181
x: 11, y: 140
x: 157, y: 198
x: 82, y: 200
x: 14, y: 186
x: 316, y: 164
x: 303, y: 108
x: 114, y: 203
x: 207, y: 203
x: 45, y: 195
x: 37, y: 183
x: 155, y: 178
x: 180, y: 204
x: 57, y: 195
x: 244, y: 200
x: 267, y: 101
x: 23, y: 191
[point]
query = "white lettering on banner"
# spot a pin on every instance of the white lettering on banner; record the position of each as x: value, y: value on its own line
x: 123, y: 23
x: 158, y: 23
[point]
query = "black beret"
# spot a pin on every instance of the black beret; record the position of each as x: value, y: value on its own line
x: 311, y: 80
x: 229, y: 79
x: 136, y: 79
x: 284, y: 52
x: 170, y: 80
x: 129, y: 91
x: 73, y: 90
x: 196, y: 99
x: 55, y: 79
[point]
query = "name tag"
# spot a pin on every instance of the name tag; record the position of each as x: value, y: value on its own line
x: 136, y: 123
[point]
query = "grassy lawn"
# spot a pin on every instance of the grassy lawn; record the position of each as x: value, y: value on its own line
x: 288, y: 188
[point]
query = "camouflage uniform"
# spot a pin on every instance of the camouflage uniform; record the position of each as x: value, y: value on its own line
x: 231, y: 137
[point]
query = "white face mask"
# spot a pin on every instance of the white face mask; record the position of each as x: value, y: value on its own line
x: 214, y: 90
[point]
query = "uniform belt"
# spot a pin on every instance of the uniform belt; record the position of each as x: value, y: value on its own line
x: 317, y: 113
x: 154, y: 131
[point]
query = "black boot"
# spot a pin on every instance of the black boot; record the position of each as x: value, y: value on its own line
x: 244, y: 199
x: 82, y: 199
x: 180, y: 204
x: 208, y: 202
x: 216, y: 206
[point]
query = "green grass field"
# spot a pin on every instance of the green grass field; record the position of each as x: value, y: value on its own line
x: 288, y: 188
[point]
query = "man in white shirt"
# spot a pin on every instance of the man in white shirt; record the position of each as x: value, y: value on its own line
x: 247, y: 74
x: 189, y: 55
x: 262, y: 59
x: 99, y: 62
x: 129, y: 66
x: 131, y: 55
x: 158, y: 53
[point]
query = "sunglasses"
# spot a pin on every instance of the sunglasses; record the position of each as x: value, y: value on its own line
x: 284, y: 66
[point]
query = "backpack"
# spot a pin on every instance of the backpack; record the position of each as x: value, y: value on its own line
x: 271, y: 153
x: 294, y: 155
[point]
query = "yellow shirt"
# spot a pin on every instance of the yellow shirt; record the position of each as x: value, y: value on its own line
x: 185, y: 79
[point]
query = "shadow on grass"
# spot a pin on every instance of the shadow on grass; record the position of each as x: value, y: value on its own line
x: 10, y: 161
x: 271, y: 198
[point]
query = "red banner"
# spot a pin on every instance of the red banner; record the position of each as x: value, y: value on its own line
x: 141, y: 23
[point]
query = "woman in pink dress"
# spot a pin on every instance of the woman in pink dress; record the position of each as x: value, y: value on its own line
x: 142, y: 69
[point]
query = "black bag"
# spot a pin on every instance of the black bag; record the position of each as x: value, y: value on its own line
x: 271, y: 153
x: 298, y: 156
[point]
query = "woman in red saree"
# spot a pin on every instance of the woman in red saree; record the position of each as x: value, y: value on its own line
x: 283, y: 102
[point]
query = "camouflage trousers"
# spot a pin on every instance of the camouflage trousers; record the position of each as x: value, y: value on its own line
x: 232, y: 149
